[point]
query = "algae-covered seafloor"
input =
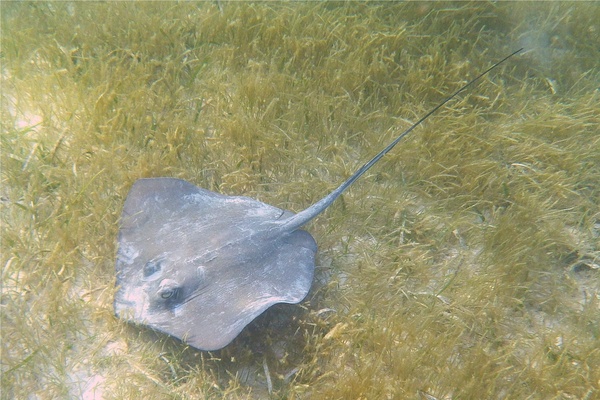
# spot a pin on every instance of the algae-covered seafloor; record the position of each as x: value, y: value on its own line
x: 465, y: 265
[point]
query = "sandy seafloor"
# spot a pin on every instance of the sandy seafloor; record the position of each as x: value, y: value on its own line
x: 464, y: 265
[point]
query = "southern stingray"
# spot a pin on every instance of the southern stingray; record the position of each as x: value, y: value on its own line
x: 200, y: 265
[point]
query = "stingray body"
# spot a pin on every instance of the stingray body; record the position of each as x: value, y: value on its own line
x: 200, y: 265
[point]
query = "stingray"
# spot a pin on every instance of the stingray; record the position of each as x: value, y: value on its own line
x: 200, y: 266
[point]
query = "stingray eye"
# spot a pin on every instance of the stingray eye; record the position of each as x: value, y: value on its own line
x: 152, y: 267
x: 167, y: 294
x: 168, y: 289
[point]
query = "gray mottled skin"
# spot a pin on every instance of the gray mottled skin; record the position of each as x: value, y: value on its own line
x: 200, y: 266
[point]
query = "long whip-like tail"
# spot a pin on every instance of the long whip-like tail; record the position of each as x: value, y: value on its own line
x: 309, y: 213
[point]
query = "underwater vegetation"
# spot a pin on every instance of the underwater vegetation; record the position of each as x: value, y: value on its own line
x: 466, y: 264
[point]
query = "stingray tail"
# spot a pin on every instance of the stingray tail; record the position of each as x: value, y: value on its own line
x: 308, y: 214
